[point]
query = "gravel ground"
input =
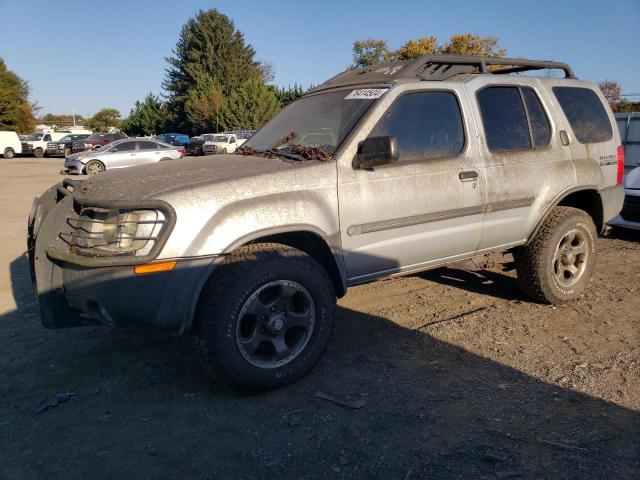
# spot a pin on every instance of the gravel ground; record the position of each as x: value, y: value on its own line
x: 447, y: 374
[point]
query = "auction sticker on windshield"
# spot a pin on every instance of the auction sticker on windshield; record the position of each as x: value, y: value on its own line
x: 366, y: 94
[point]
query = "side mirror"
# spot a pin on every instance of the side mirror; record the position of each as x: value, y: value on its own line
x: 376, y: 151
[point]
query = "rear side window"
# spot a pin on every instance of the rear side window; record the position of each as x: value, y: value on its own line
x: 513, y: 118
x: 146, y: 145
x: 425, y: 124
x: 586, y: 114
x: 504, y: 118
x: 540, y: 128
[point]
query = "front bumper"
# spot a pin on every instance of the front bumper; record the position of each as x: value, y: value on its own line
x: 73, y: 295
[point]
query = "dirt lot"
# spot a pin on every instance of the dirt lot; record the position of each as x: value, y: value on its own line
x: 455, y: 374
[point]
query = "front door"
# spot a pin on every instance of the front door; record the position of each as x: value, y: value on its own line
x: 427, y: 207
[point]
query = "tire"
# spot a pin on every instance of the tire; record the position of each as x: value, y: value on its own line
x: 94, y: 167
x: 67, y: 152
x: 9, y: 153
x: 38, y: 153
x: 247, y: 311
x: 556, y: 266
x: 165, y: 159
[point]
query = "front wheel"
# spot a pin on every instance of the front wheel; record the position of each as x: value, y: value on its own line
x: 556, y: 266
x: 9, y: 152
x: 38, y: 153
x: 264, y: 317
x: 94, y: 167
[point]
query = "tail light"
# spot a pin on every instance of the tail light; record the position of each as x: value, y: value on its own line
x: 620, y: 158
x: 182, y: 150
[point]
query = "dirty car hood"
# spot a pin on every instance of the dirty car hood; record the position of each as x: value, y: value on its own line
x: 144, y: 181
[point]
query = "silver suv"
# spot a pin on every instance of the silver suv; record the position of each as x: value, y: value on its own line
x: 381, y: 171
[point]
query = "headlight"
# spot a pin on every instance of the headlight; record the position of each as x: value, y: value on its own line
x: 115, y: 232
x: 61, y: 145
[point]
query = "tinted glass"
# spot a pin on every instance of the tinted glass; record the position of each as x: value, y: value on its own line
x: 586, y: 114
x: 426, y: 125
x: 46, y: 138
x: 504, y: 118
x: 329, y: 113
x: 539, y: 122
x: 125, y: 146
x: 146, y: 145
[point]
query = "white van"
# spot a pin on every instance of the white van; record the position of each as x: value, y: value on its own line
x: 10, y: 144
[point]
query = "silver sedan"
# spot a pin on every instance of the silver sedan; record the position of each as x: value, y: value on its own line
x: 120, y: 154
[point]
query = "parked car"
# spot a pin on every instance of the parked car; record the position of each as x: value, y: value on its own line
x: 177, y: 139
x: 10, y: 144
x: 222, y: 143
x: 430, y: 161
x: 62, y: 147
x: 630, y: 215
x: 36, y: 143
x: 96, y: 141
x: 195, y: 143
x: 246, y: 134
x: 121, y: 154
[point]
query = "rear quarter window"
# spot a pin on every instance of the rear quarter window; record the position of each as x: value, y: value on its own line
x: 586, y: 114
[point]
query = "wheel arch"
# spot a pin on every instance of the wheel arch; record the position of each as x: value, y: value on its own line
x: 585, y: 198
x: 310, y: 242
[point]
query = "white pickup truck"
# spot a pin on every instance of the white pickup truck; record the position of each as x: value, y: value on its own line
x: 36, y: 143
x: 222, y: 143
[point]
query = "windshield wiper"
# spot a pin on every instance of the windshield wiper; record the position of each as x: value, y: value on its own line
x: 290, y: 156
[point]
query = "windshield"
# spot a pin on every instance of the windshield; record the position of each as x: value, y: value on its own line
x: 312, y: 127
x: 34, y: 136
x: 219, y: 138
x: 96, y: 136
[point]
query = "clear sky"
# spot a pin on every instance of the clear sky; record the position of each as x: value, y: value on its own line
x: 89, y: 54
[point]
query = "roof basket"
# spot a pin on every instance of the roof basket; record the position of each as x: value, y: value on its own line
x: 431, y: 67
x: 438, y: 67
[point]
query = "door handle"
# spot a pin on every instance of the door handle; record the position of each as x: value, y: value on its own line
x: 564, y: 138
x: 468, y: 176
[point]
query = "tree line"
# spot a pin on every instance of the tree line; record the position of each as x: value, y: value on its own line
x: 213, y: 82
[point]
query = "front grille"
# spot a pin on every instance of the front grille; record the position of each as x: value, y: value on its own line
x: 631, y: 208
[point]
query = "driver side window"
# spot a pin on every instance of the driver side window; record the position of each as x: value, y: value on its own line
x: 427, y: 125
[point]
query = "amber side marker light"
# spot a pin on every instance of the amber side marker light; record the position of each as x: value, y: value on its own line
x: 154, y: 267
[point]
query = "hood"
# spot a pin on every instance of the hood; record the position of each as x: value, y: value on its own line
x: 145, y: 181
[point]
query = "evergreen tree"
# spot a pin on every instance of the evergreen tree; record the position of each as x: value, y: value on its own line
x: 249, y: 107
x: 209, y: 44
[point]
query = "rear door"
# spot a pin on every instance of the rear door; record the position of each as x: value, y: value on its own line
x: 148, y: 152
x: 524, y: 159
x: 593, y: 138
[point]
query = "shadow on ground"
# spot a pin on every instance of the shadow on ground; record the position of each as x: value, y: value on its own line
x: 143, y: 408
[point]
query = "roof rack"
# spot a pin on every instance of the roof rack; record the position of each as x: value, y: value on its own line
x: 439, y: 67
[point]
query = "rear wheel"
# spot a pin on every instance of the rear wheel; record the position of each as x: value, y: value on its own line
x: 38, y: 153
x: 94, y: 167
x: 556, y: 266
x: 9, y: 152
x: 265, y: 317
x: 165, y: 159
